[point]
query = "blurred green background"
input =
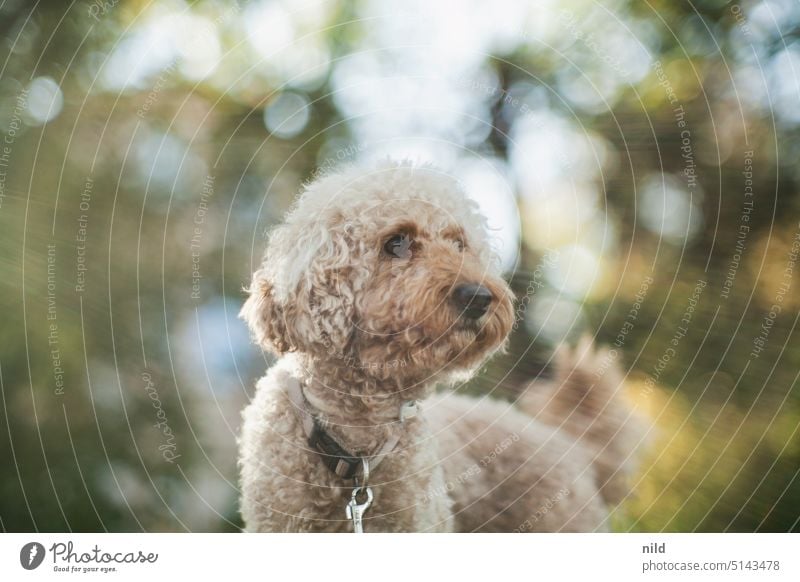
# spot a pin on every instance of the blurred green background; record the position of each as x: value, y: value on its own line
x: 638, y: 160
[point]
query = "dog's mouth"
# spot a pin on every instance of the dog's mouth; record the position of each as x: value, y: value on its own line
x: 460, y: 346
x: 471, y: 335
x: 472, y: 322
x: 476, y: 328
x: 453, y: 335
x: 478, y: 319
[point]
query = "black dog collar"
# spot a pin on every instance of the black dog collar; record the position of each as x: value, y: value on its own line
x: 335, y: 457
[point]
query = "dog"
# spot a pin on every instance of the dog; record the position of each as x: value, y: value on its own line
x: 380, y: 285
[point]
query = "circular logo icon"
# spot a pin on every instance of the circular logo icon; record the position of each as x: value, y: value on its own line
x: 31, y: 555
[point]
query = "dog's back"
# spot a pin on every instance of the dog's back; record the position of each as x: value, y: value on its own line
x: 585, y: 399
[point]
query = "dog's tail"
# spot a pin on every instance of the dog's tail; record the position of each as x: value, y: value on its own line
x: 585, y: 398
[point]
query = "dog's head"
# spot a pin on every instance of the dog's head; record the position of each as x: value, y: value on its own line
x: 387, y: 270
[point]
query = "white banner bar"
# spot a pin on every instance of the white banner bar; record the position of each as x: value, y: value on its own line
x: 390, y: 557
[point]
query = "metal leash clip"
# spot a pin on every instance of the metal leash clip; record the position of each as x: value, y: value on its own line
x: 355, y: 509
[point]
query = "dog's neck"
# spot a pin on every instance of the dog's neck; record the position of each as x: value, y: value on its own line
x: 352, y: 396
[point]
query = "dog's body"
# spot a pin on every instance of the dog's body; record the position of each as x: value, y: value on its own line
x: 378, y: 287
x: 287, y: 488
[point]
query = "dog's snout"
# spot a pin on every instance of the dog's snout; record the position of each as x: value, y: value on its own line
x: 472, y: 299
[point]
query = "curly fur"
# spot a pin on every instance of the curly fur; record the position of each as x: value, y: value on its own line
x: 363, y: 332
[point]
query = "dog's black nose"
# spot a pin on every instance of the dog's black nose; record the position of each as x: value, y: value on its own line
x: 472, y: 299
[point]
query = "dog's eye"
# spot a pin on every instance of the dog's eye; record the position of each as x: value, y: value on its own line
x: 460, y: 244
x: 398, y: 246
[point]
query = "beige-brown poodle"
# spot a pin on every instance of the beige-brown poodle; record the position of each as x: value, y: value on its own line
x: 379, y: 286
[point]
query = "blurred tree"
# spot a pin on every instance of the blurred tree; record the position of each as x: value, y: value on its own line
x: 149, y: 147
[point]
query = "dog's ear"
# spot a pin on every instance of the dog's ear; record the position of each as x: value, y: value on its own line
x: 323, y: 275
x: 330, y: 298
x: 303, y: 296
x: 265, y: 317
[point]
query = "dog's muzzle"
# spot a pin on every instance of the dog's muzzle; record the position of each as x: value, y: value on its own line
x: 472, y: 300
